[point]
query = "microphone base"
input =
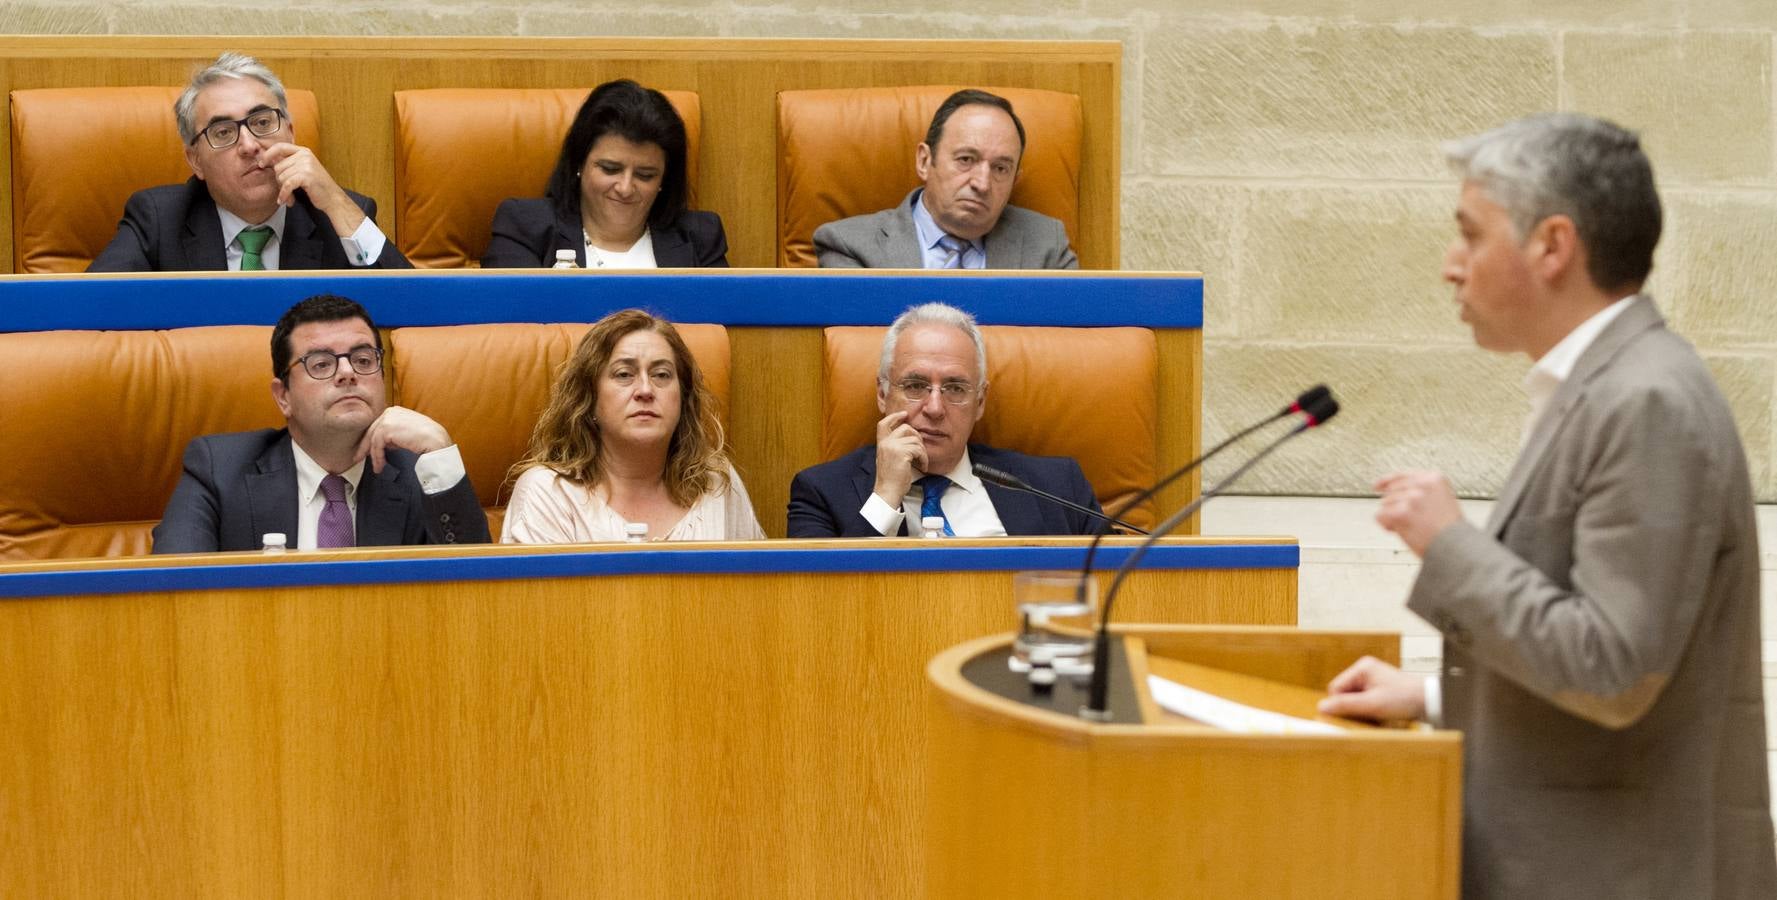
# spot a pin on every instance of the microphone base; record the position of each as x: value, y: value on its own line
x: 1067, y: 696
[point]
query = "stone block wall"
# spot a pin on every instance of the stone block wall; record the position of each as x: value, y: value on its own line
x: 1289, y: 150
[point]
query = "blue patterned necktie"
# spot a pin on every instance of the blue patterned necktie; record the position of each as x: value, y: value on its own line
x: 334, y: 529
x: 932, y: 505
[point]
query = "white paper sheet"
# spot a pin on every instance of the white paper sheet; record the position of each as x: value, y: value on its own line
x: 1228, y: 715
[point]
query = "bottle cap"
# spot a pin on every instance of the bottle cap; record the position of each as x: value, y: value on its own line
x: 635, y: 530
x: 932, y: 523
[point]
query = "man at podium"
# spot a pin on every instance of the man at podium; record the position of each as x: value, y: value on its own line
x: 1601, y: 633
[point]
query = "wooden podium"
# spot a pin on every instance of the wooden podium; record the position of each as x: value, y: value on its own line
x: 1024, y: 801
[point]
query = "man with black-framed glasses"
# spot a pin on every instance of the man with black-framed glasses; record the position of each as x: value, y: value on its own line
x: 348, y: 470
x: 931, y: 387
x: 256, y: 199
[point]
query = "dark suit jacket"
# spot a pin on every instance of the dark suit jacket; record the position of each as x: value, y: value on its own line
x: 825, y: 499
x: 1601, y: 642
x: 174, y: 228
x: 1021, y: 239
x: 527, y: 232
x: 237, y: 487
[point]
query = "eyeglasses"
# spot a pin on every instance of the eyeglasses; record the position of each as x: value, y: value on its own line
x: 955, y: 393
x: 321, y: 364
x: 263, y: 123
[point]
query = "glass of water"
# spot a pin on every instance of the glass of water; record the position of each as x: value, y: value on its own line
x: 1055, y: 622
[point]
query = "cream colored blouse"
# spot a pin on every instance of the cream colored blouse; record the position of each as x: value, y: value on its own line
x: 549, y: 509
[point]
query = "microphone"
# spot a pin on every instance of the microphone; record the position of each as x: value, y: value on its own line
x: 1008, y: 480
x: 1316, y: 410
x: 1311, y: 398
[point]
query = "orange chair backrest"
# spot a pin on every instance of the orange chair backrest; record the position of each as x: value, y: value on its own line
x: 1088, y: 393
x: 460, y: 151
x: 93, y: 427
x: 850, y: 151
x: 78, y: 154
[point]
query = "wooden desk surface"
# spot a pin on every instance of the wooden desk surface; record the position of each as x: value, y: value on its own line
x: 701, y: 720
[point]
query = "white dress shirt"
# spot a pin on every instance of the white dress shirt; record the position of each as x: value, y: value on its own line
x: 965, y: 504
x: 362, y: 246
x: 438, y: 471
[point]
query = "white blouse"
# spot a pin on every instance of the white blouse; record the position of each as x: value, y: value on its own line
x: 640, y: 254
x: 549, y: 509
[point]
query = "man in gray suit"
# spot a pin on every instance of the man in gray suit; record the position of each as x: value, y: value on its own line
x: 960, y: 218
x: 1601, y: 634
x: 348, y: 471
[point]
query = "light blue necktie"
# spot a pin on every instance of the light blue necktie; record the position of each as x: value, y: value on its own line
x: 932, y: 505
x: 956, y: 247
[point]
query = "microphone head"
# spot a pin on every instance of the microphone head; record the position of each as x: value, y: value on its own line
x: 1309, y: 399
x: 1323, y: 409
x: 995, y: 476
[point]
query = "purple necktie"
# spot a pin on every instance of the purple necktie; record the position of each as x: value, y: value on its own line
x: 335, y: 526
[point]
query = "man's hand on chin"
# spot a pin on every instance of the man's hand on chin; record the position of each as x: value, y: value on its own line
x: 401, y: 427
x: 900, y: 457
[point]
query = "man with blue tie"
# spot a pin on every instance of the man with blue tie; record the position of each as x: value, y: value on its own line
x: 931, y: 388
x: 348, y: 470
x: 960, y: 218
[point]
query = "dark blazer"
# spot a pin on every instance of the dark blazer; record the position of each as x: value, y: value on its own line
x: 237, y: 487
x: 175, y: 228
x: 527, y: 232
x: 825, y: 499
x: 1021, y: 239
x: 1601, y: 642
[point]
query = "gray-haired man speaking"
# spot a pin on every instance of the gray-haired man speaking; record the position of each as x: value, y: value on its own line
x: 1601, y: 633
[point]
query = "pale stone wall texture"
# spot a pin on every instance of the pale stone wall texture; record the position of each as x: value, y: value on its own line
x: 1288, y: 149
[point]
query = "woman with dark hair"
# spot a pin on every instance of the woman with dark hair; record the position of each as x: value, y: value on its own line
x: 617, y: 197
x: 629, y: 435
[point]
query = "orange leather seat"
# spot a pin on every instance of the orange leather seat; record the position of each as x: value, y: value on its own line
x: 1087, y: 393
x: 93, y: 427
x: 93, y: 424
x: 460, y: 151
x: 79, y: 153
x: 486, y: 384
x: 849, y: 152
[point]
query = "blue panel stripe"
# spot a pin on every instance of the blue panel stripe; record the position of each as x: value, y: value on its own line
x: 275, y: 572
x: 758, y: 297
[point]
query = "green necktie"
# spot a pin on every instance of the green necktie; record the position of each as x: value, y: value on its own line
x: 252, y: 242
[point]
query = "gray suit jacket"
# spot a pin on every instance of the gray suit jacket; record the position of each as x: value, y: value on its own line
x: 1021, y: 239
x: 237, y: 487
x: 1601, y: 649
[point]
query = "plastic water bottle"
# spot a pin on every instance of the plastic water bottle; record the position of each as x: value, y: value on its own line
x: 273, y: 542
x: 564, y: 259
x: 635, y: 532
x: 932, y: 527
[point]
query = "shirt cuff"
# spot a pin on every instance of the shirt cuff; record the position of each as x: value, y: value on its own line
x: 1434, y: 701
x: 884, y: 518
x: 365, y: 245
x: 440, y: 470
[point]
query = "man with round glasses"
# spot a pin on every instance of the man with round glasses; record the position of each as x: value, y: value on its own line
x: 931, y: 387
x: 348, y: 470
x: 256, y: 200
